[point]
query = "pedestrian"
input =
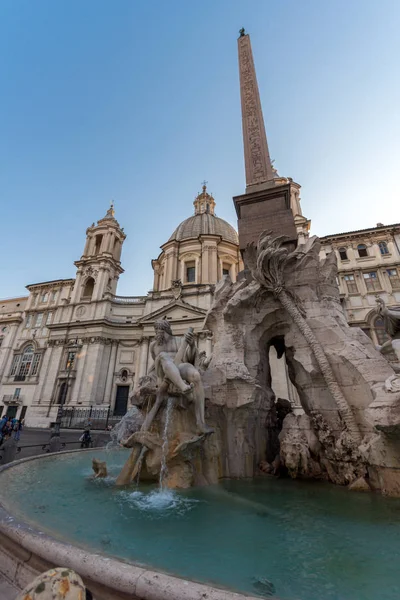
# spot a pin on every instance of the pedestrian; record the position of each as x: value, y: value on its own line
x: 17, y: 430
x: 7, y: 428
x: 86, y: 438
x: 3, y: 422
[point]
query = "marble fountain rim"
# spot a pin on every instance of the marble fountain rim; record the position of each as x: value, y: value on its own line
x: 112, y: 574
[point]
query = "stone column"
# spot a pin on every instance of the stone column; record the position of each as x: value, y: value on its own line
x: 137, y: 365
x: 100, y: 284
x: 86, y: 248
x: 204, y: 267
x: 110, y: 374
x: 6, y: 350
x: 77, y: 393
x: 214, y: 265
x: 144, y: 349
x: 77, y: 288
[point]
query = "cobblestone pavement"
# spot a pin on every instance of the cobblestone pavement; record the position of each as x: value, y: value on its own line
x: 7, y: 591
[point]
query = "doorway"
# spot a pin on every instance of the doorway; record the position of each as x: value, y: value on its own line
x: 121, y: 400
x: 12, y: 412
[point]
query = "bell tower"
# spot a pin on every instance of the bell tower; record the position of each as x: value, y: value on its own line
x: 99, y: 267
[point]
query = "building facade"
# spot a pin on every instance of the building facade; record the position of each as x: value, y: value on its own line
x: 368, y: 265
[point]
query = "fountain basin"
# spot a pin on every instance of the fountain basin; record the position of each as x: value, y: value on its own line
x: 287, y: 539
x: 26, y: 551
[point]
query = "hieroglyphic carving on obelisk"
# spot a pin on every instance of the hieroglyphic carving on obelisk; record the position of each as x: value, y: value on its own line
x: 256, y: 154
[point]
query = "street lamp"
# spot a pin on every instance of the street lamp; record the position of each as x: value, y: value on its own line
x: 72, y: 347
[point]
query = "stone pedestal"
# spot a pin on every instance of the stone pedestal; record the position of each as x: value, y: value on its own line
x: 266, y: 209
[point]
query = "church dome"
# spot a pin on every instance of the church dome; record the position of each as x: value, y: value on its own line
x: 204, y: 222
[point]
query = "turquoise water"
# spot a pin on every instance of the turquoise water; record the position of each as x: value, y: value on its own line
x: 306, y: 541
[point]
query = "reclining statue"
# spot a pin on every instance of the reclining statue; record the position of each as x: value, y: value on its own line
x: 174, y: 364
x: 176, y: 372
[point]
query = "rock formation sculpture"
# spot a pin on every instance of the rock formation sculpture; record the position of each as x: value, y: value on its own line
x: 349, y: 426
x: 289, y: 299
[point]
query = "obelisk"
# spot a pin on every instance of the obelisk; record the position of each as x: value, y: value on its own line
x: 266, y: 204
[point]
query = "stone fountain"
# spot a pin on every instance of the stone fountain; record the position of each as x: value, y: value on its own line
x: 349, y: 393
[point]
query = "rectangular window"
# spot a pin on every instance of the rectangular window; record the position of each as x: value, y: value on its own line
x: 39, y: 319
x: 53, y: 296
x: 394, y: 278
x: 28, y: 321
x: 17, y: 393
x: 225, y: 269
x: 15, y: 364
x: 191, y: 272
x: 44, y: 297
x: 49, y: 318
x: 372, y: 281
x: 351, y: 284
x: 70, y: 360
x: 35, y: 364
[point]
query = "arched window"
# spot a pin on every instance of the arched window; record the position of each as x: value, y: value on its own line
x: 362, y: 250
x: 88, y: 289
x: 343, y: 254
x: 383, y: 248
x: 97, y: 246
x: 25, y: 364
x: 26, y: 361
x: 226, y: 269
x: 62, y: 393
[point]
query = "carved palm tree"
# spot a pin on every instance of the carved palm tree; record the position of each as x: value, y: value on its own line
x: 267, y: 265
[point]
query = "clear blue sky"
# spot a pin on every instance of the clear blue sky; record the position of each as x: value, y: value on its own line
x: 138, y: 101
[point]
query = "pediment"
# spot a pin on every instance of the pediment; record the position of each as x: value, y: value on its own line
x: 174, y: 312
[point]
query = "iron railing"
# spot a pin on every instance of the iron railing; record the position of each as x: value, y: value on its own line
x: 98, y: 417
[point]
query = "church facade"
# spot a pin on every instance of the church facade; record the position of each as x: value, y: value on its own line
x: 76, y: 342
